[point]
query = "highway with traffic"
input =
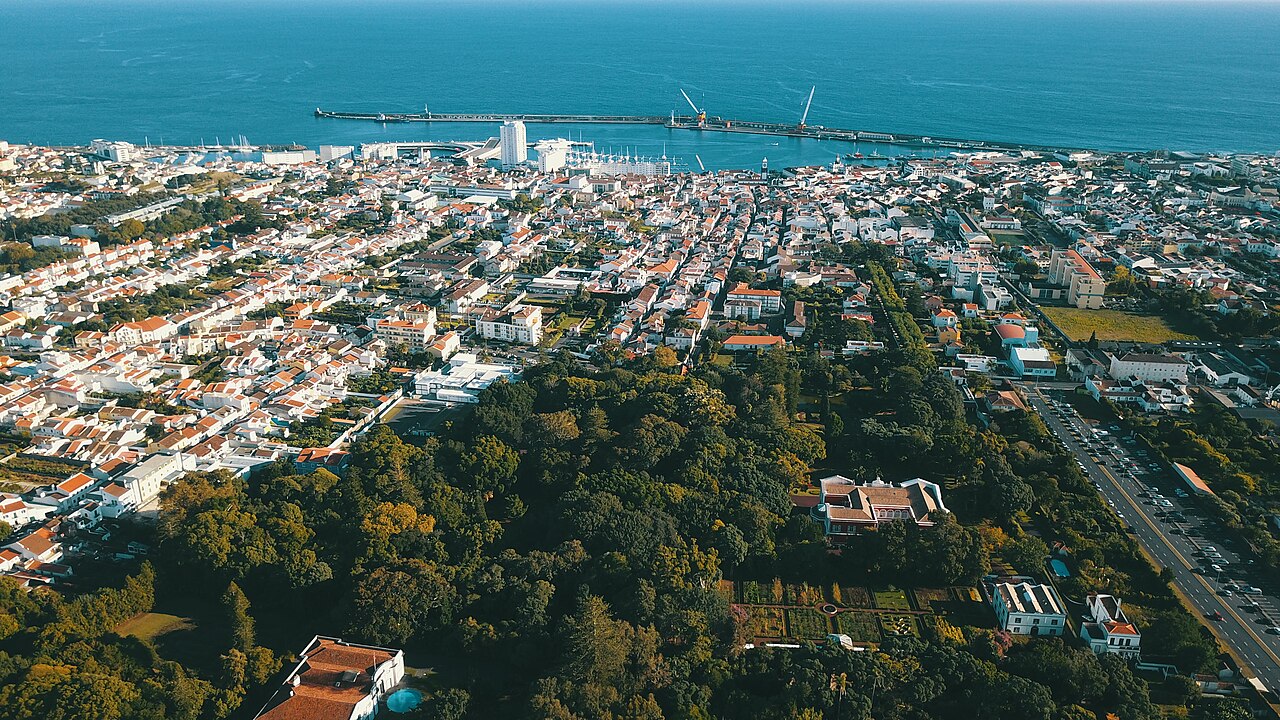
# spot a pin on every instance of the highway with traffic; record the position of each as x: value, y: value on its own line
x: 1151, y: 500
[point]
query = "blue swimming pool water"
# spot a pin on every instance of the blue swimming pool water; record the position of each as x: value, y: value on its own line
x: 402, y: 701
x: 1059, y: 568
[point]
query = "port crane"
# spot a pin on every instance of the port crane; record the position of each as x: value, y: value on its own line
x: 699, y: 114
x: 805, y: 116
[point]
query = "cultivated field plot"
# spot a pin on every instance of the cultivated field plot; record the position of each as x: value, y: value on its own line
x: 1112, y: 325
x: 802, y: 594
x: 854, y: 596
x: 768, y: 622
x: 925, y: 597
x: 805, y: 624
x: 860, y: 627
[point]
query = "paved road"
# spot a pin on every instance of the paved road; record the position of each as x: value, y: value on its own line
x: 1125, y: 478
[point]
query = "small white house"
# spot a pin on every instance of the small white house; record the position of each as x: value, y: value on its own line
x: 1107, y: 629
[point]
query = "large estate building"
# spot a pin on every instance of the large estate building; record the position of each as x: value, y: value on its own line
x: 846, y: 508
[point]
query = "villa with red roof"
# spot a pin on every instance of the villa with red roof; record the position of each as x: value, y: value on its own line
x: 336, y: 680
x: 1108, y: 630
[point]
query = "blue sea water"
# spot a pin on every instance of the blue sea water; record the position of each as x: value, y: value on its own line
x: 1112, y: 75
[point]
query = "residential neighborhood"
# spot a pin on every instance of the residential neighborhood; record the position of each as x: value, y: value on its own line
x: 247, y: 314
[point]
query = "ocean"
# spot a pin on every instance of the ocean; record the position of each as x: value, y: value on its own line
x: 1108, y: 75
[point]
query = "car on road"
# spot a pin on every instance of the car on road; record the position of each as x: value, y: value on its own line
x: 1225, y: 592
x: 1274, y: 630
x: 1251, y: 590
x: 1215, y: 615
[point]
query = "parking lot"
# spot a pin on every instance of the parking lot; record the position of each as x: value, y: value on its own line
x: 1156, y: 507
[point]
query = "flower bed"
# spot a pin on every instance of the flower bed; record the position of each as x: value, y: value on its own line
x: 898, y: 625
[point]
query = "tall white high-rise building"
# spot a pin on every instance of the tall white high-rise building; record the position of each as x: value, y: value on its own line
x: 515, y: 148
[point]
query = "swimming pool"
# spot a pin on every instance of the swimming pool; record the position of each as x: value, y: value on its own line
x: 1059, y: 568
x: 402, y: 701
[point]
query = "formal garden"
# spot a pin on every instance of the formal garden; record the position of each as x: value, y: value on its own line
x: 792, y: 612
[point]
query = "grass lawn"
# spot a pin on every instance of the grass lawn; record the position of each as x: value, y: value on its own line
x: 1008, y: 237
x: 892, y: 599
x: 564, y: 321
x: 1113, y: 325
x: 149, y: 626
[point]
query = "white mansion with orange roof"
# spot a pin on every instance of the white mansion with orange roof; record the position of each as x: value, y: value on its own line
x: 1108, y: 629
x: 846, y: 508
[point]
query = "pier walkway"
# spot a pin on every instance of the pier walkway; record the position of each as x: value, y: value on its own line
x: 686, y: 122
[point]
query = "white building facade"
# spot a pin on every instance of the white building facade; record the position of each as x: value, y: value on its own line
x: 1027, y: 609
x: 515, y: 148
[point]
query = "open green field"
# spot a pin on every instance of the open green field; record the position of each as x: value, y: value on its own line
x: 1113, y: 325
x: 1007, y: 237
x: 149, y: 626
x: 892, y: 599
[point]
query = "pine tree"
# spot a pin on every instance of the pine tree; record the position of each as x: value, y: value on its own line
x: 238, y: 618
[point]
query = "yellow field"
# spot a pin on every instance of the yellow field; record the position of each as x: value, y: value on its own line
x: 1113, y: 325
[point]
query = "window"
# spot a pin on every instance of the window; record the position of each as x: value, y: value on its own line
x: 1018, y: 620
